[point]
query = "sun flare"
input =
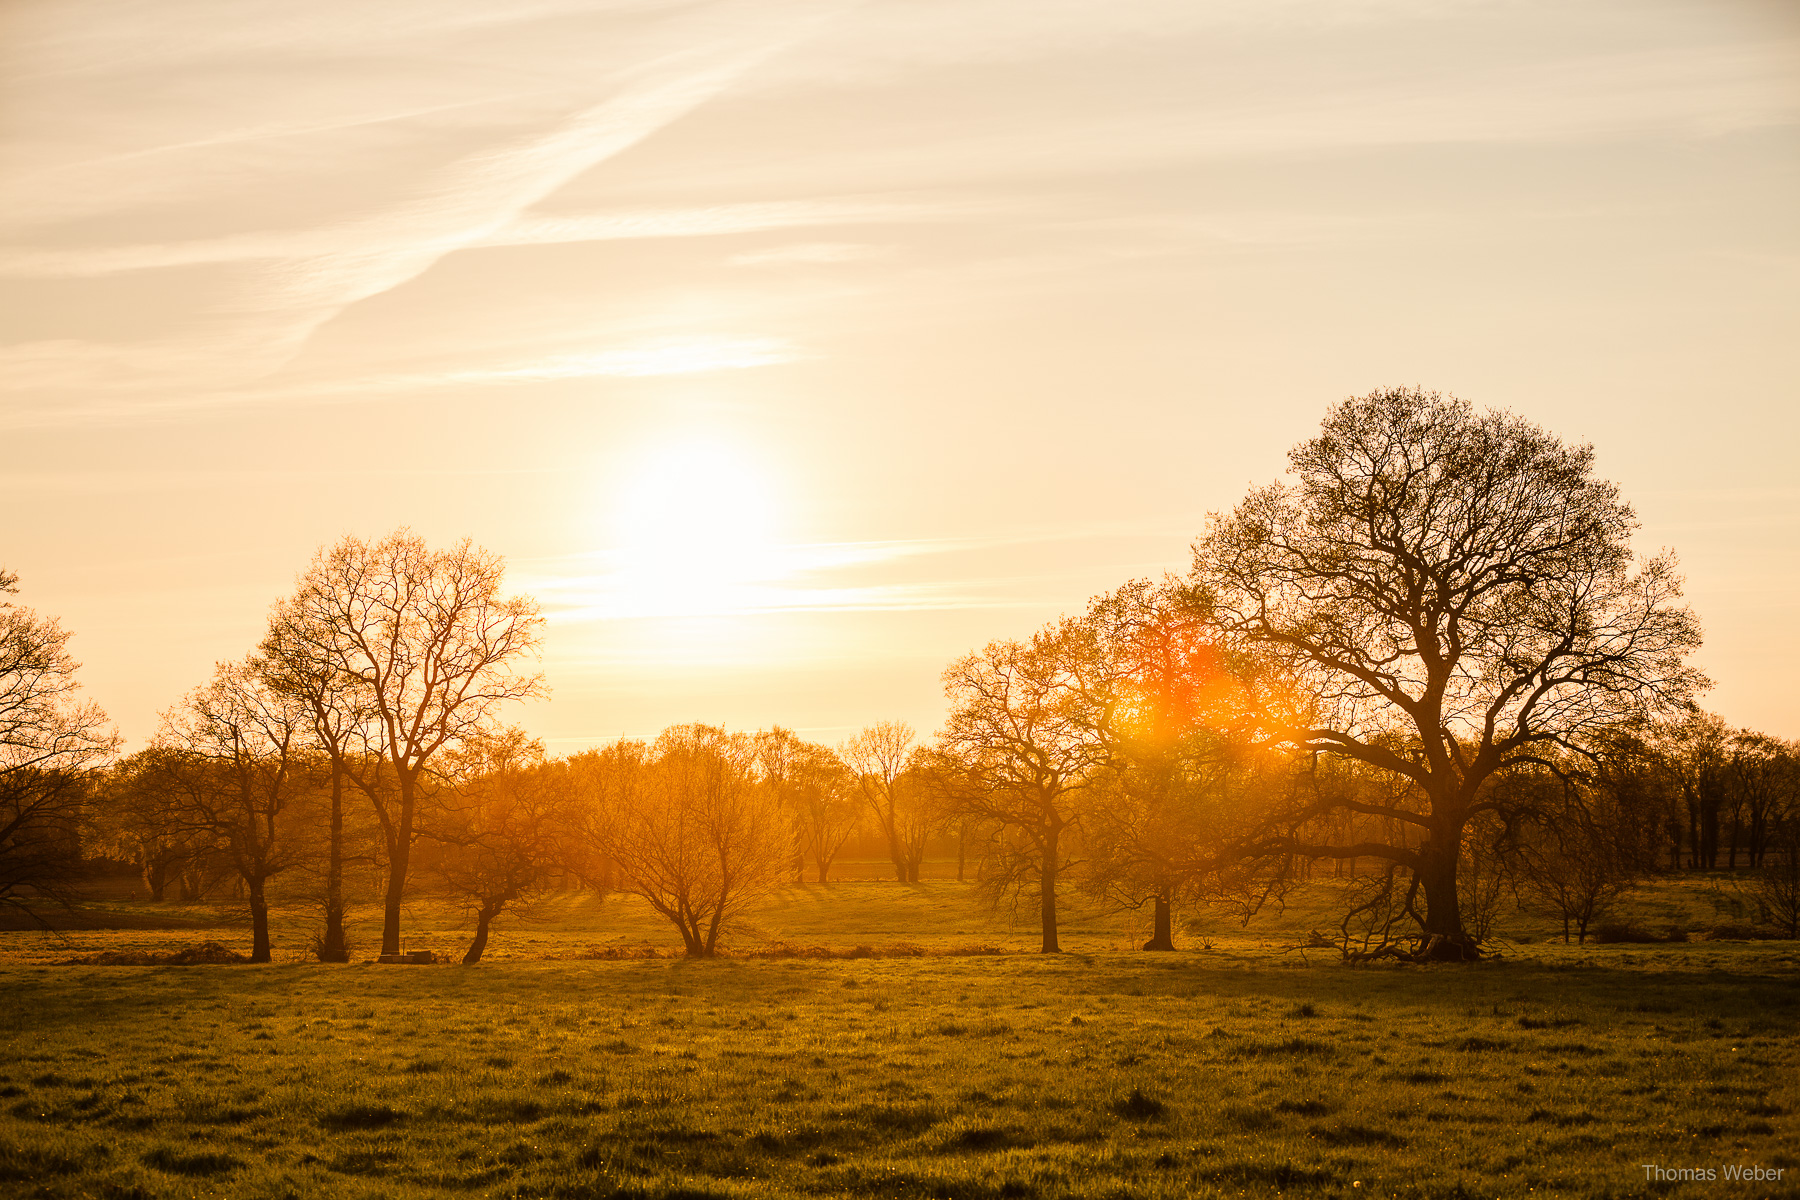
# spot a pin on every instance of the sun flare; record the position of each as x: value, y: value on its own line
x: 695, y: 529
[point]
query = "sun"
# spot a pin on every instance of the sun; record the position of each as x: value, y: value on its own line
x: 695, y: 530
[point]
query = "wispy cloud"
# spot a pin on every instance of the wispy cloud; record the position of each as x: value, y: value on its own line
x: 630, y: 359
x: 529, y: 229
x: 822, y: 577
x: 295, y: 282
x: 486, y: 192
x: 809, y: 254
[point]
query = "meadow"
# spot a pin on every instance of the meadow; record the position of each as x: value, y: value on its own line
x: 930, y: 1055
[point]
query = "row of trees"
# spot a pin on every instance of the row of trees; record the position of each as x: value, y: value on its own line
x: 1431, y: 664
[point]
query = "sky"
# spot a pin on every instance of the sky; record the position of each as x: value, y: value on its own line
x: 789, y: 350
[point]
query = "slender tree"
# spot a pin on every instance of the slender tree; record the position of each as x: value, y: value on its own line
x: 686, y: 823
x: 878, y: 757
x: 1017, y: 752
x: 1182, y: 764
x: 342, y: 717
x: 234, y: 759
x: 500, y: 844
x: 814, y: 786
x: 1764, y: 774
x: 431, y: 648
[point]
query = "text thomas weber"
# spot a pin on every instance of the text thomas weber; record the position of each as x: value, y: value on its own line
x: 1733, y: 1172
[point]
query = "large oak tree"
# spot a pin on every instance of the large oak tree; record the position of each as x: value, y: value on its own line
x: 1457, y: 594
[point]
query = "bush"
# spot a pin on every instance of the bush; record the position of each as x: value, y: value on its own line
x: 205, y: 954
x: 1616, y: 932
x: 341, y: 953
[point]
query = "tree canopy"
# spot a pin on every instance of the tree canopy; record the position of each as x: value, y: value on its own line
x: 1455, y: 594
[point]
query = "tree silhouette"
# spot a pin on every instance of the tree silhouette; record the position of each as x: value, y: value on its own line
x: 48, y: 740
x: 430, y: 646
x: 879, y: 757
x: 1457, y: 595
x: 234, y: 760
x: 686, y: 823
x: 1018, y: 749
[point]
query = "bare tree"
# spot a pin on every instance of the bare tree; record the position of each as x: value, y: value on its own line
x: 1776, y: 885
x: 878, y: 757
x: 127, y: 823
x: 1018, y: 749
x: 234, y: 759
x: 500, y: 843
x: 1764, y: 777
x: 429, y: 645
x: 48, y: 741
x: 1457, y: 595
x: 1696, y: 755
x: 815, y: 787
x: 342, y: 716
x: 687, y: 824
x: 1583, y: 840
x: 1183, y: 777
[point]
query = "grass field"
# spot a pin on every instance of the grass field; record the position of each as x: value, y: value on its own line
x: 1244, y: 1068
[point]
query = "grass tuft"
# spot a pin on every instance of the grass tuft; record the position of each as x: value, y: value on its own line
x: 361, y: 1116
x: 1139, y: 1107
x: 205, y: 1162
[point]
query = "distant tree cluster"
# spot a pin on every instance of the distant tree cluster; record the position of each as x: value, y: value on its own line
x: 49, y: 745
x: 1430, y: 666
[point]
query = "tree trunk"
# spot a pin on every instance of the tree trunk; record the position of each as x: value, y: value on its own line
x: 333, y: 947
x: 712, y: 928
x: 156, y: 877
x: 259, y: 923
x: 483, y: 919
x: 399, y: 850
x: 1047, y: 886
x: 962, y: 839
x: 1445, y: 939
x: 1164, y: 938
x: 824, y: 867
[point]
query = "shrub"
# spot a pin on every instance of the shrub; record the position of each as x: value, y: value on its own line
x: 205, y: 954
x: 343, y: 952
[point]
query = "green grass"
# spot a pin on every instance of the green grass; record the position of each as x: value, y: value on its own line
x: 1247, y: 1068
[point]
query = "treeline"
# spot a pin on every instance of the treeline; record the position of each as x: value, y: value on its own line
x: 1430, y: 666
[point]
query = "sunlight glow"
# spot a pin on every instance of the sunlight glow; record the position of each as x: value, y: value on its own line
x: 696, y: 532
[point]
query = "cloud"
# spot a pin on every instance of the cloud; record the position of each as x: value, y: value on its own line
x: 632, y: 359
x: 528, y: 229
x: 297, y: 281
x: 819, y: 577
x: 809, y: 254
x: 483, y: 193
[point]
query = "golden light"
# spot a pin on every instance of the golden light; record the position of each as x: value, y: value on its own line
x: 695, y: 530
